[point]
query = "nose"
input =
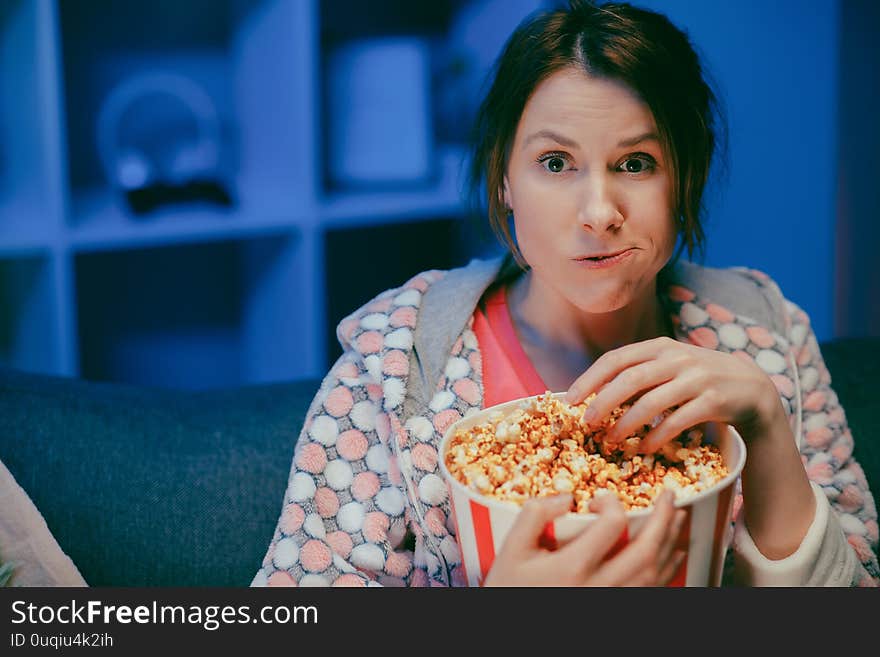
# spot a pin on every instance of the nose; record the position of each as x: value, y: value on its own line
x: 599, y: 210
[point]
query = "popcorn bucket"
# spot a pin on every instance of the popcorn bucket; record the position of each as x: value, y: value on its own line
x: 483, y: 522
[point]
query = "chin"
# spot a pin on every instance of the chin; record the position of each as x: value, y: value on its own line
x: 602, y: 305
x: 602, y: 301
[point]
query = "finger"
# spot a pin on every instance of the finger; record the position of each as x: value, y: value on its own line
x: 629, y: 383
x: 667, y: 559
x: 532, y: 519
x: 657, y: 528
x: 652, y: 404
x: 638, y: 561
x: 672, y: 537
x: 610, y: 363
x: 589, y: 547
x: 670, y: 568
x: 697, y: 411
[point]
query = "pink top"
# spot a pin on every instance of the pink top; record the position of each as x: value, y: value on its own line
x: 508, y: 373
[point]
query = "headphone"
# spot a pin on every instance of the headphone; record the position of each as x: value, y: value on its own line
x: 132, y: 161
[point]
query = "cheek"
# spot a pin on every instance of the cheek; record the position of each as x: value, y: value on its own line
x: 538, y: 225
x: 536, y: 198
x: 528, y: 234
x: 662, y: 236
x: 653, y: 211
x: 538, y: 211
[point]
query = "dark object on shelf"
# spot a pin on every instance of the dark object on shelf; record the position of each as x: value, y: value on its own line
x: 148, y: 487
x: 146, y: 199
x: 176, y: 320
x: 451, y: 246
x: 160, y: 142
x: 344, y: 20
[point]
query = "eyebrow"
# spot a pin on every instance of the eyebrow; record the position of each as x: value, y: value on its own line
x: 565, y: 141
x: 549, y: 134
x: 647, y: 136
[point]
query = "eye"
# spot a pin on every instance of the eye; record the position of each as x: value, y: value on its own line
x: 554, y: 162
x: 638, y: 163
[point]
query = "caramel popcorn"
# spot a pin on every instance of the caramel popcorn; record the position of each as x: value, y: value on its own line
x: 542, y: 448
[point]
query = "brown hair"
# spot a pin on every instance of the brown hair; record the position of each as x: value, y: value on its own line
x: 637, y: 47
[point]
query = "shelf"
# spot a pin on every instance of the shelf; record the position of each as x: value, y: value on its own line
x: 437, y: 198
x: 191, y: 317
x: 103, y: 223
x: 238, y: 57
x: 21, y: 231
x: 29, y: 175
x: 27, y: 316
x: 196, y: 295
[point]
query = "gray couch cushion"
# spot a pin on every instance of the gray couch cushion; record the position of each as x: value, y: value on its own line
x: 149, y: 487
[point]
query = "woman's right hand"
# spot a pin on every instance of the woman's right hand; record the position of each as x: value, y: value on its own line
x: 649, y: 559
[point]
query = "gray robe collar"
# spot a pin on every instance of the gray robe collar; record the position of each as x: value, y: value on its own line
x: 448, y: 304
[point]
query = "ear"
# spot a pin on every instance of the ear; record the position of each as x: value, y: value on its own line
x: 507, y: 194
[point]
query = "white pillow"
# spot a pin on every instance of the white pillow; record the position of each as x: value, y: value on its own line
x: 27, y: 543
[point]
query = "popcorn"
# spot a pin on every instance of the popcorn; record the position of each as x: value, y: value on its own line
x: 542, y: 448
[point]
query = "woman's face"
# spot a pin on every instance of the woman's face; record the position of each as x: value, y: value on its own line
x: 586, y: 178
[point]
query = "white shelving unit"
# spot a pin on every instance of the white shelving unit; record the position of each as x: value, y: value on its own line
x: 89, y: 289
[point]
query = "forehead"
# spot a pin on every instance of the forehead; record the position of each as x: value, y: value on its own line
x: 584, y: 107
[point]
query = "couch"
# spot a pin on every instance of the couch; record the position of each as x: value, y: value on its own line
x: 147, y: 487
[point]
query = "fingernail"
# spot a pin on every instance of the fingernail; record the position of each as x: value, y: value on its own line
x: 588, y: 416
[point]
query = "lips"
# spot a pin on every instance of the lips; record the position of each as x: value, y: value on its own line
x: 604, y: 261
x: 596, y: 257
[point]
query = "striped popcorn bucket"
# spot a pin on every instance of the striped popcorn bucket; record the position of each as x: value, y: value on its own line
x: 483, y: 522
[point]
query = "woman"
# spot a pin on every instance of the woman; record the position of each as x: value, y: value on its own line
x: 594, y: 142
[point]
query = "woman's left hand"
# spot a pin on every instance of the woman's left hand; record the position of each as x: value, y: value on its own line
x: 705, y: 385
